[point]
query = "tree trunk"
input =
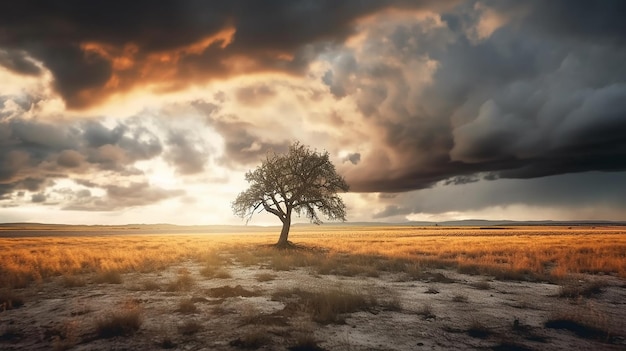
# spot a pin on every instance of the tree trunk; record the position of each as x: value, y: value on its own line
x: 284, y: 233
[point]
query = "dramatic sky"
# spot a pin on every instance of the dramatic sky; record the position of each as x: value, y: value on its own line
x: 152, y: 111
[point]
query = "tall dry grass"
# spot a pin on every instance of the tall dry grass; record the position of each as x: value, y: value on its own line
x: 512, y: 253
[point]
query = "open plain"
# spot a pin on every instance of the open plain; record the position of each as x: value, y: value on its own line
x: 338, y: 288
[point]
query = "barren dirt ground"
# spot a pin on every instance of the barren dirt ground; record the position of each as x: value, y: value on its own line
x: 444, y: 310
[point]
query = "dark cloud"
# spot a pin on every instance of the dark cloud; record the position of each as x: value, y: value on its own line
x: 353, y: 158
x: 18, y: 61
x: 183, y: 40
x: 184, y: 152
x: 38, y: 198
x: 601, y: 194
x: 34, y: 153
x: 243, y: 146
x: 120, y: 196
x: 512, y: 98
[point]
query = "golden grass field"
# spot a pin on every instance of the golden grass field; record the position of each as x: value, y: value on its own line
x: 146, y: 287
x: 533, y: 252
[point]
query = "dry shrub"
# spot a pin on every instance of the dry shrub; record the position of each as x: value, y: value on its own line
x: 73, y: 281
x: 459, y: 297
x: 252, y: 340
x: 426, y: 311
x: 264, y: 277
x: 9, y: 300
x: 11, y: 333
x: 478, y: 330
x: 481, y: 285
x: 66, y: 336
x: 187, y: 306
x: 326, y: 306
x: 109, y: 277
x: 305, y: 342
x: 227, y: 291
x: 584, y: 321
x: 190, y: 327
x: 215, y: 272
x: 431, y: 290
x: 151, y: 285
x: 123, y: 322
x: 183, y: 282
x: 575, y: 289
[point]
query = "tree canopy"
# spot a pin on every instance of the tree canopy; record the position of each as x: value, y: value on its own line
x: 302, y: 180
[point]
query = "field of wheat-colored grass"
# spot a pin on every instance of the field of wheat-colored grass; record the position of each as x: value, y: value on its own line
x: 549, y: 253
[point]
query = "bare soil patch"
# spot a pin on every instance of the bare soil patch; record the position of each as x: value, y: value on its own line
x: 335, y: 312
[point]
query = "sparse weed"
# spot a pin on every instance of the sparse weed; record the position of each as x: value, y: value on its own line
x: 305, y: 342
x: 481, y: 285
x: 264, y: 277
x: 9, y: 300
x: 183, y: 282
x: 109, y: 277
x: 186, y: 306
x: 585, y: 321
x: 124, y: 322
x: 66, y: 336
x: 432, y: 290
x: 252, y: 340
x: 575, y: 289
x: 478, y: 330
x: 73, y: 281
x: 215, y: 272
x: 459, y: 297
x: 151, y: 285
x: 227, y: 291
x: 426, y: 311
x: 329, y: 305
x: 190, y: 327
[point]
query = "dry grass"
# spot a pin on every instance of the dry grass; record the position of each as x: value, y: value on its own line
x: 9, y: 300
x: 183, y: 282
x: 459, y: 298
x: 187, y: 306
x: 123, y: 322
x: 190, y: 327
x: 576, y: 288
x: 210, y: 271
x: 109, y: 277
x: 522, y: 253
x: 328, y: 305
x: 481, y: 285
x: 426, y: 311
x: 251, y: 340
x: 264, y: 277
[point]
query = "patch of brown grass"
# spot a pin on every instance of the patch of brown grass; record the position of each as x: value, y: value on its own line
x: 190, y: 327
x: 123, y: 322
x: 252, y: 340
x: 73, y: 281
x: 187, y: 306
x: 228, y: 291
x: 215, y: 272
x: 183, y: 282
x: 576, y: 289
x: 9, y: 300
x: 264, y: 277
x: 329, y: 305
x: 109, y: 277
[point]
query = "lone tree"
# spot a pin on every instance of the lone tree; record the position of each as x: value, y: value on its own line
x: 300, y: 181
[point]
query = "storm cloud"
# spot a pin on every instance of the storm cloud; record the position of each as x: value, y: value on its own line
x: 524, y: 99
x: 97, y: 48
x: 514, y: 102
